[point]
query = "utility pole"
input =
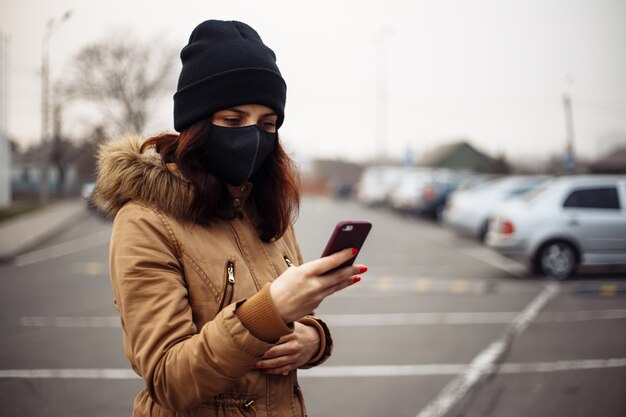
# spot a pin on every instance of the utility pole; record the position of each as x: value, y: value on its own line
x: 382, y: 92
x: 569, y: 158
x: 51, y: 26
x: 5, y: 148
x: 57, y: 156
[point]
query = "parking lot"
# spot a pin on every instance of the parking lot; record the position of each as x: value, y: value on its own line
x: 439, y: 326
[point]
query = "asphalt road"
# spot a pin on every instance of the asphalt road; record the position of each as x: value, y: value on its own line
x: 439, y: 326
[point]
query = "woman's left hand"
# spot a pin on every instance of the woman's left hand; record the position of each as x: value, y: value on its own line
x: 291, y: 352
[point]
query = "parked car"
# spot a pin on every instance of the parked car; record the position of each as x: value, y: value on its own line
x: 571, y: 221
x: 377, y: 182
x: 435, y: 193
x: 86, y: 190
x: 473, y: 180
x: 405, y: 196
x: 469, y: 211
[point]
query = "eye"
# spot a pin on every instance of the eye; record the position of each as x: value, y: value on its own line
x: 231, y: 121
x: 268, y: 125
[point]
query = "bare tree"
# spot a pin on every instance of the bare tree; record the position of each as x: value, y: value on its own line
x: 123, y: 77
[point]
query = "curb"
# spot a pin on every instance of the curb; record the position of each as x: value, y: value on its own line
x: 28, y: 231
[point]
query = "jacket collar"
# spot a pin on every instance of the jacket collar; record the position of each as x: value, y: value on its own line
x: 124, y: 173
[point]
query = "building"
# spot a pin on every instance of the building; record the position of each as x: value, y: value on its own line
x: 463, y: 156
x: 27, y: 171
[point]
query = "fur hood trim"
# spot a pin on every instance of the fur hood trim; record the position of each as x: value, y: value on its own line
x: 125, y: 174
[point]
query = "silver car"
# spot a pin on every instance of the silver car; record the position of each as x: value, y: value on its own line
x: 469, y: 211
x: 567, y: 222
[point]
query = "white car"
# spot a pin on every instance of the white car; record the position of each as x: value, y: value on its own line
x: 570, y: 221
x: 469, y: 211
x: 406, y: 195
x: 376, y: 183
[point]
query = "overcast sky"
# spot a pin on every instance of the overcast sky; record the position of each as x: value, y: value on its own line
x: 491, y: 71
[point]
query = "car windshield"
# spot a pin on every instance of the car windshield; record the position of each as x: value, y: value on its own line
x: 535, y: 192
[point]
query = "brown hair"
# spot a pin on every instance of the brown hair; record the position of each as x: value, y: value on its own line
x: 275, y: 195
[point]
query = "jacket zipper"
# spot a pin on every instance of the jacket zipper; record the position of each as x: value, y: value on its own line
x: 237, y: 239
x: 288, y: 261
x: 230, y: 284
x: 249, y: 406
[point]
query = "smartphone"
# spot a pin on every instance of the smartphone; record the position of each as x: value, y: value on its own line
x: 347, y: 234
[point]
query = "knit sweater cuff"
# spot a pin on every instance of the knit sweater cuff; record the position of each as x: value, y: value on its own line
x: 260, y: 316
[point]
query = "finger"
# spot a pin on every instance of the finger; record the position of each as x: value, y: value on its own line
x: 341, y: 285
x: 275, y: 362
x: 283, y: 370
x: 322, y: 265
x: 342, y: 274
x: 280, y: 350
x: 359, y: 269
x: 286, y: 338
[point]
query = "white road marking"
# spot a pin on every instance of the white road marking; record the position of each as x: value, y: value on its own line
x: 456, y: 369
x: 366, y: 371
x: 579, y: 365
x: 484, y: 362
x: 66, y: 248
x: 362, y: 371
x: 69, y: 373
x: 568, y: 316
x: 371, y: 320
x: 99, y: 321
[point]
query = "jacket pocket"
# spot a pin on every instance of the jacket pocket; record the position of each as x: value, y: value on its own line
x: 229, y: 285
x: 229, y: 407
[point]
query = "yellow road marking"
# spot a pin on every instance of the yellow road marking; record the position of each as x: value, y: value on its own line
x: 421, y: 285
x: 385, y: 283
x: 459, y: 286
x: 608, y: 290
x: 89, y: 268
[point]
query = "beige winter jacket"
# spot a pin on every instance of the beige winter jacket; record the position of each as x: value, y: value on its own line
x: 180, y: 289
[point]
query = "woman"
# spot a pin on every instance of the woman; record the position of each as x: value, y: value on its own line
x: 214, y: 297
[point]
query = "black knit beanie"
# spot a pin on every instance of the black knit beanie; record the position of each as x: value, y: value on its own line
x: 226, y: 64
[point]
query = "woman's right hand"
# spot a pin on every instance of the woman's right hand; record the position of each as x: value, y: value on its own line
x: 300, y: 290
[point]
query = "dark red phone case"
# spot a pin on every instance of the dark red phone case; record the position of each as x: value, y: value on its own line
x: 347, y: 234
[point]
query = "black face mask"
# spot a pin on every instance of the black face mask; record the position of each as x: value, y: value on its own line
x: 236, y: 153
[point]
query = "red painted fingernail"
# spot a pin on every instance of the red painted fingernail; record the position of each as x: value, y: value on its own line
x: 363, y: 269
x: 357, y: 279
x: 355, y: 251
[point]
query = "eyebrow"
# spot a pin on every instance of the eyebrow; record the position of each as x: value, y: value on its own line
x: 240, y: 111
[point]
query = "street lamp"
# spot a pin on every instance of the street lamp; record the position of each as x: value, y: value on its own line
x: 5, y: 148
x: 382, y: 91
x: 51, y: 27
x: 569, y: 157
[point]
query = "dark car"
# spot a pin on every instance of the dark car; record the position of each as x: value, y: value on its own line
x: 435, y: 193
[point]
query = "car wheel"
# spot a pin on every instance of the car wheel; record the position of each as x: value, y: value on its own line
x: 439, y: 213
x: 557, y: 260
x: 482, y: 230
